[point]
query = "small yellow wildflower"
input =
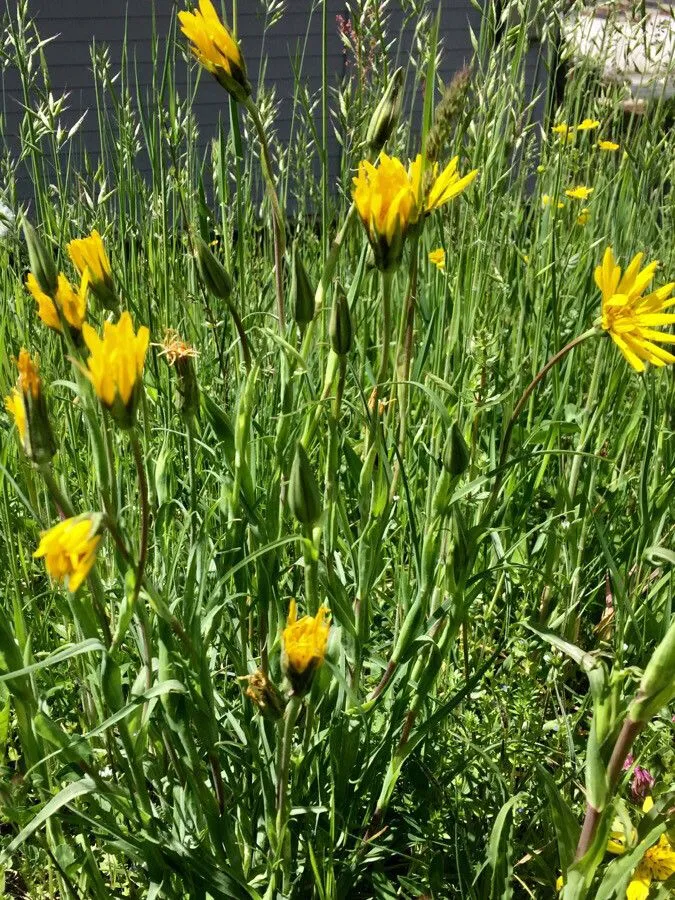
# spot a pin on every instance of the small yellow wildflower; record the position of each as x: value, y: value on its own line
x: 89, y: 254
x: 581, y: 192
x: 28, y: 408
x: 29, y: 374
x: 629, y: 317
x: 73, y: 306
x: 608, y: 146
x: 215, y: 49
x: 304, y: 646
x: 565, y: 132
x: 69, y: 549
x: 14, y: 406
x: 437, y: 257
x: 115, y: 366
x: 390, y: 199
x: 588, y: 125
x: 583, y: 216
x: 657, y: 864
x: 548, y: 200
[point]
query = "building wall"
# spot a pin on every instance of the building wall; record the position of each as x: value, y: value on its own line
x: 80, y: 22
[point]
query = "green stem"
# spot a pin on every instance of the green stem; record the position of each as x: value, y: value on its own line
x: 288, y: 725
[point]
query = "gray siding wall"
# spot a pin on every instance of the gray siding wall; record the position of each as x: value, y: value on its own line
x: 79, y: 22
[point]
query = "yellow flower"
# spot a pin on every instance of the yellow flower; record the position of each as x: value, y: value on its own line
x: 73, y: 306
x: 390, y: 199
x: 437, y: 257
x: 115, y: 366
x: 547, y: 200
x: 14, y: 406
x: 215, y: 49
x: 29, y: 374
x: 565, y: 132
x: 630, y: 317
x: 583, y: 216
x: 89, y: 255
x: 581, y: 192
x: 588, y: 125
x: 69, y: 549
x: 304, y: 646
x: 609, y: 146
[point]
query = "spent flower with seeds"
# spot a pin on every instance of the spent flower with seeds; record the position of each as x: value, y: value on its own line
x: 69, y: 549
x: 180, y: 356
x: 115, y: 365
x: 630, y: 316
x: 89, y: 256
x: 214, y: 47
x: 304, y: 646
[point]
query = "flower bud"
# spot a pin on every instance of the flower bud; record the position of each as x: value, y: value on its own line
x: 303, y: 491
x: 386, y: 115
x: 456, y: 456
x: 657, y: 687
x: 41, y: 262
x: 265, y: 695
x: 340, y: 329
x: 29, y: 409
x: 213, y: 274
x: 302, y: 292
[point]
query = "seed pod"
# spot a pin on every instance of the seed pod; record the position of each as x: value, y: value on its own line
x: 212, y: 272
x: 456, y: 456
x: 265, y: 695
x: 386, y: 115
x: 302, y: 292
x: 340, y: 328
x: 41, y: 262
x: 303, y: 491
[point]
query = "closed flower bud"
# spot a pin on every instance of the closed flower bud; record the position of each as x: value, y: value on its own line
x: 386, y: 115
x: 212, y: 272
x: 304, y: 645
x: 341, y: 331
x: 456, y: 457
x: 302, y: 292
x: 303, y: 490
x: 41, y: 262
x: 265, y: 695
x: 28, y: 407
x: 91, y: 260
x: 657, y: 687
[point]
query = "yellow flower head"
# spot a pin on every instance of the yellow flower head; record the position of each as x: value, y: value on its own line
x: 29, y: 374
x: 565, y: 132
x: 14, y: 406
x: 73, y: 306
x: 215, y: 48
x: 630, y: 316
x: 588, y: 125
x: 608, y: 146
x: 115, y: 366
x: 657, y: 864
x: 89, y: 257
x: 304, y: 646
x: 437, y: 257
x: 583, y: 216
x: 390, y: 199
x: 69, y: 549
x: 581, y: 192
x: 548, y: 200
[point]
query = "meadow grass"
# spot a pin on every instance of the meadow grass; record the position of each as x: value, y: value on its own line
x: 497, y: 585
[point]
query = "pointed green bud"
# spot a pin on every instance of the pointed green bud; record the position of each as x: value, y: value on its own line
x: 303, y: 491
x: 302, y: 292
x: 386, y: 115
x: 212, y: 272
x: 340, y: 329
x: 41, y: 261
x: 657, y: 687
x: 456, y: 456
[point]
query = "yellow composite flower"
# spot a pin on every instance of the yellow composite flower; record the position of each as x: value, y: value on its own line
x: 657, y: 864
x: 437, y: 257
x: 565, y: 132
x: 29, y: 374
x: 72, y: 305
x: 69, y: 550
x: 588, y: 125
x: 630, y: 316
x: 14, y: 406
x: 548, y: 200
x: 89, y: 256
x: 115, y: 366
x: 390, y: 199
x: 304, y: 645
x: 583, y: 216
x: 580, y: 192
x: 28, y: 408
x: 608, y: 146
x: 215, y: 48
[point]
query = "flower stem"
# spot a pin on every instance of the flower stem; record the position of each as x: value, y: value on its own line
x: 284, y: 760
x: 142, y: 554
